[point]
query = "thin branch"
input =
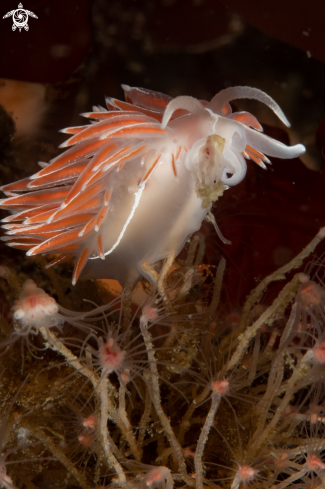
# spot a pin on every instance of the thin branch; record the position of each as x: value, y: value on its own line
x: 279, y: 274
x: 267, y: 317
x: 215, y: 401
x: 155, y: 392
x: 106, y: 442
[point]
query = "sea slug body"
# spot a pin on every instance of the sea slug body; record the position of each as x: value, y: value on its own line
x: 137, y: 181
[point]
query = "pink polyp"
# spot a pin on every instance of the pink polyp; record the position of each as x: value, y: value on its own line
x: 310, y: 295
x: 188, y: 452
x: 156, y: 476
x: 125, y: 376
x: 86, y: 440
x: 111, y: 355
x: 247, y: 473
x: 149, y: 314
x: 313, y: 418
x: 281, y: 462
x: 315, y: 463
x: 320, y: 353
x: 89, y: 422
x: 35, y: 308
x: 221, y: 386
x: 5, y: 479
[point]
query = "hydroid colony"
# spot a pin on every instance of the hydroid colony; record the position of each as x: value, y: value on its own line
x: 163, y: 395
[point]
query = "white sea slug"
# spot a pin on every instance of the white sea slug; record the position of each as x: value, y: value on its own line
x: 137, y: 181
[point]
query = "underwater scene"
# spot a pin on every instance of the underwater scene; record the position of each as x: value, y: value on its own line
x: 162, y: 244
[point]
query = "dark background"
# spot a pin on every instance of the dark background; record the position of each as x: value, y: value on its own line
x: 77, y: 52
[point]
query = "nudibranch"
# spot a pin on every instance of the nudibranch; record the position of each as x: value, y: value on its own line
x: 137, y: 181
